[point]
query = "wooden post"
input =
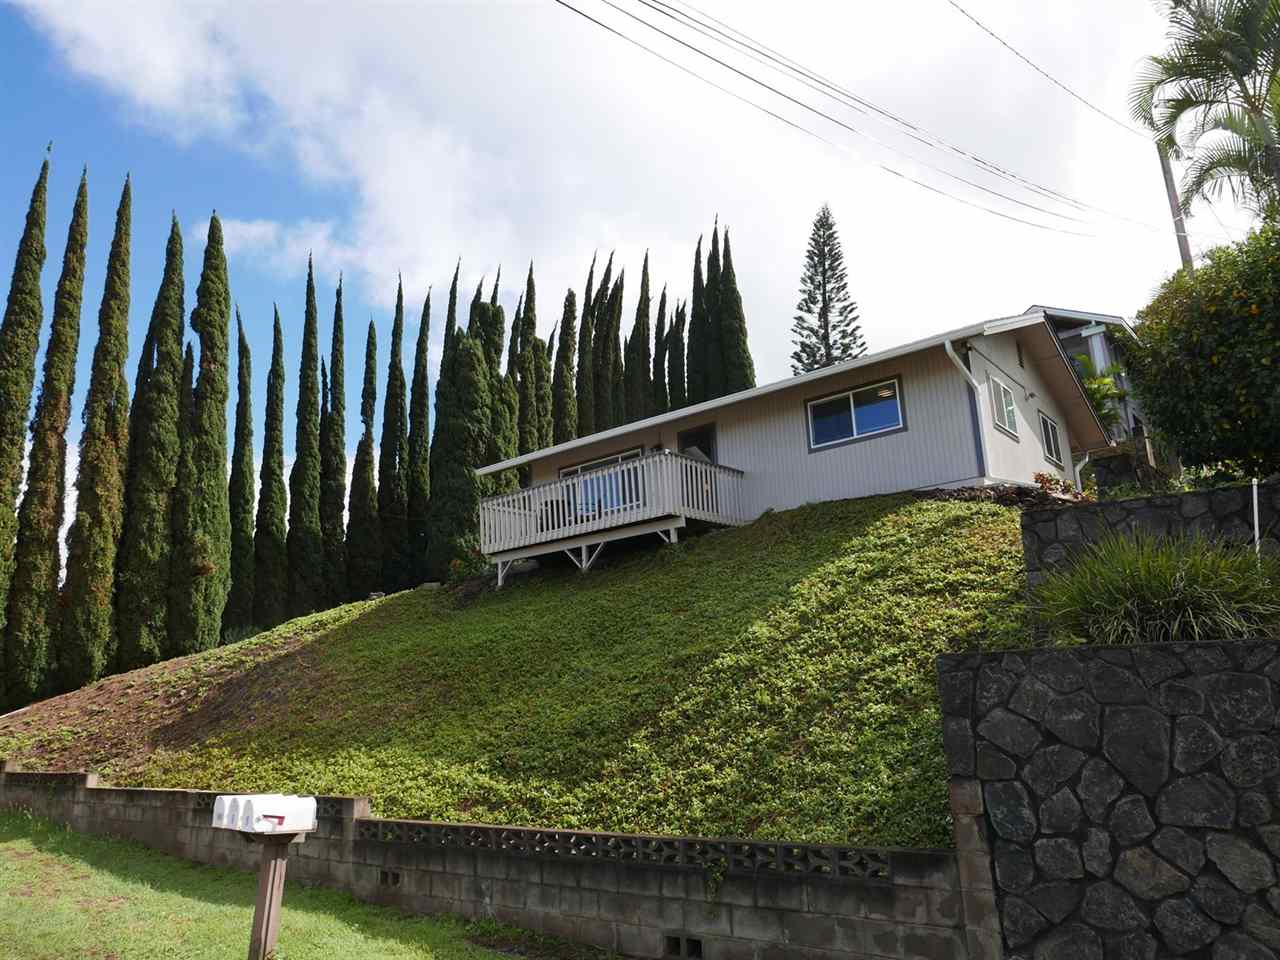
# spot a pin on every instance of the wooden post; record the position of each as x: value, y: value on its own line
x: 266, y: 911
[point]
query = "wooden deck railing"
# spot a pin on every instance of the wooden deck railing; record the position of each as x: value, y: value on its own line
x: 657, y: 485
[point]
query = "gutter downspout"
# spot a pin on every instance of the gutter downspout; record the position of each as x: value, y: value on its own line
x: 974, y: 405
x: 1076, y: 470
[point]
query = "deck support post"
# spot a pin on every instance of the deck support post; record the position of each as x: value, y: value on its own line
x: 503, y: 567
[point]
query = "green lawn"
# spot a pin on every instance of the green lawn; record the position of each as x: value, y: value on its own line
x: 773, y: 681
x: 65, y: 896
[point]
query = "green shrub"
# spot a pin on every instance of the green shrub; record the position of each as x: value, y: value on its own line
x: 1148, y: 589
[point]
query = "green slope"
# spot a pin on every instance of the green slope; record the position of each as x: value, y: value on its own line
x: 773, y: 681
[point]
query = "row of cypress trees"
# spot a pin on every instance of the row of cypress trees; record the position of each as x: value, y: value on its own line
x: 166, y: 555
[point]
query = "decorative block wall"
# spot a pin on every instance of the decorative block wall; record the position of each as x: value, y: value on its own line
x: 641, y: 896
x: 1128, y: 797
x: 1051, y: 536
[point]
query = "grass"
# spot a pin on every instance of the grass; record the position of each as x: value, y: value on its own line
x: 773, y: 681
x: 64, y: 895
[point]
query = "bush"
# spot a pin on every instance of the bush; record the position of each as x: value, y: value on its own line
x: 1148, y: 589
x: 1206, y: 364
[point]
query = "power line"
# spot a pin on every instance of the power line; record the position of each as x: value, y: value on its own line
x: 1044, y: 73
x: 805, y: 130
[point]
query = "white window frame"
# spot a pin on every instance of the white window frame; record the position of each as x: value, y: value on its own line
x: 1000, y: 411
x: 894, y: 382
x: 1052, y: 424
x: 611, y: 460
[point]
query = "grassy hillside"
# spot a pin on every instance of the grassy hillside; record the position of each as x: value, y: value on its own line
x: 773, y: 681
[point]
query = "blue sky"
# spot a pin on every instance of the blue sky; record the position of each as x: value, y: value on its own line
x: 395, y: 138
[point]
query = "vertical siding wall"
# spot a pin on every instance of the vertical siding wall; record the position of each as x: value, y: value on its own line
x: 767, y: 438
x: 733, y: 899
x: 1021, y: 459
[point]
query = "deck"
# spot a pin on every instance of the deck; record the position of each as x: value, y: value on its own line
x: 656, y: 493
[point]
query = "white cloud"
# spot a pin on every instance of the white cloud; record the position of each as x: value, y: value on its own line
x: 504, y: 132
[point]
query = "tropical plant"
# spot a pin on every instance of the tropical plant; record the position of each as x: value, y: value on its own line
x: 1102, y: 388
x: 1213, y: 98
x: 1142, y: 588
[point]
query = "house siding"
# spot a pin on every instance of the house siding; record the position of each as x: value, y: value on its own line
x: 1022, y: 458
x: 767, y: 438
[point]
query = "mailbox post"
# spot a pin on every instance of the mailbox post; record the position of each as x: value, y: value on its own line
x: 273, y: 821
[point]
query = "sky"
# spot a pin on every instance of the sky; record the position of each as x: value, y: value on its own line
x: 392, y: 139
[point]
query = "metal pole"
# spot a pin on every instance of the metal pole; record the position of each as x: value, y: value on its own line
x: 1175, y: 208
x: 266, y: 911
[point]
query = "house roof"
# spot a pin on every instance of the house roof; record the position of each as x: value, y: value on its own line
x: 1082, y: 423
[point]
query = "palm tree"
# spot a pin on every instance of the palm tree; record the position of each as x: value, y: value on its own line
x: 1213, y: 98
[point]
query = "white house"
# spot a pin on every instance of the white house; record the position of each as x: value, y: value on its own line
x: 995, y: 402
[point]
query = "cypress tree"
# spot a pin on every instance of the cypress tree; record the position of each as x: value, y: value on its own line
x: 364, y: 532
x: 87, y: 640
x: 564, y: 406
x: 661, y: 402
x: 31, y: 624
x: 695, y: 370
x: 639, y: 398
x: 619, y: 400
x: 675, y: 360
x: 584, y: 382
x: 525, y: 382
x: 513, y: 342
x: 202, y: 547
x: 826, y: 327
x: 542, y: 393
x: 146, y: 545
x: 606, y: 343
x: 497, y: 278
x: 333, y: 464
x: 393, y: 494
x: 237, y: 618
x: 270, y: 550
x: 305, y: 542
x: 19, y: 340
x: 444, y: 374
x: 713, y: 343
x: 419, y: 465
x: 739, y: 368
x: 455, y: 496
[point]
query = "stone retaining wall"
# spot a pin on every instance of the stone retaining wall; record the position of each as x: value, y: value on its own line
x: 639, y: 896
x: 1129, y: 796
x: 1050, y: 536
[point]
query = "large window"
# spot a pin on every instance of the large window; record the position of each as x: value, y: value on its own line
x: 1006, y: 413
x: 1051, y: 438
x: 602, y: 462
x: 858, y: 413
x: 595, y: 493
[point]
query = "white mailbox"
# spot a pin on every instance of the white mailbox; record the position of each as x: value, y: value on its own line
x: 265, y: 813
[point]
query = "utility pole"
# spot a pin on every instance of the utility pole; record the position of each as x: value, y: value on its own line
x: 1175, y: 208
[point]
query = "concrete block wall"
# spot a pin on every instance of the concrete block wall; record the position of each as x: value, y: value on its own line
x: 1051, y: 536
x: 1125, y: 800
x: 639, y: 896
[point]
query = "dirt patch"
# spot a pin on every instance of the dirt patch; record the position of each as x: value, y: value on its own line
x: 1006, y: 495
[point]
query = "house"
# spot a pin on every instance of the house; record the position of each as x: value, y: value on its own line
x: 995, y: 402
x: 1094, y: 335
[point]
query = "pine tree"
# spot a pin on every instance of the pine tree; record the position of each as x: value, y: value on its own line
x: 638, y: 374
x: 713, y: 342
x: 305, y: 542
x: 202, y: 549
x: 87, y: 641
x: 661, y: 402
x: 333, y: 465
x: 444, y: 374
x: 584, y: 382
x: 826, y: 328
x: 419, y: 465
x: 146, y: 545
x: 564, y: 406
x: 739, y: 369
x: 695, y: 368
x: 675, y: 360
x: 19, y: 340
x: 237, y: 617
x: 270, y: 550
x: 364, y: 532
x: 31, y: 624
x: 455, y: 496
x: 393, y: 494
